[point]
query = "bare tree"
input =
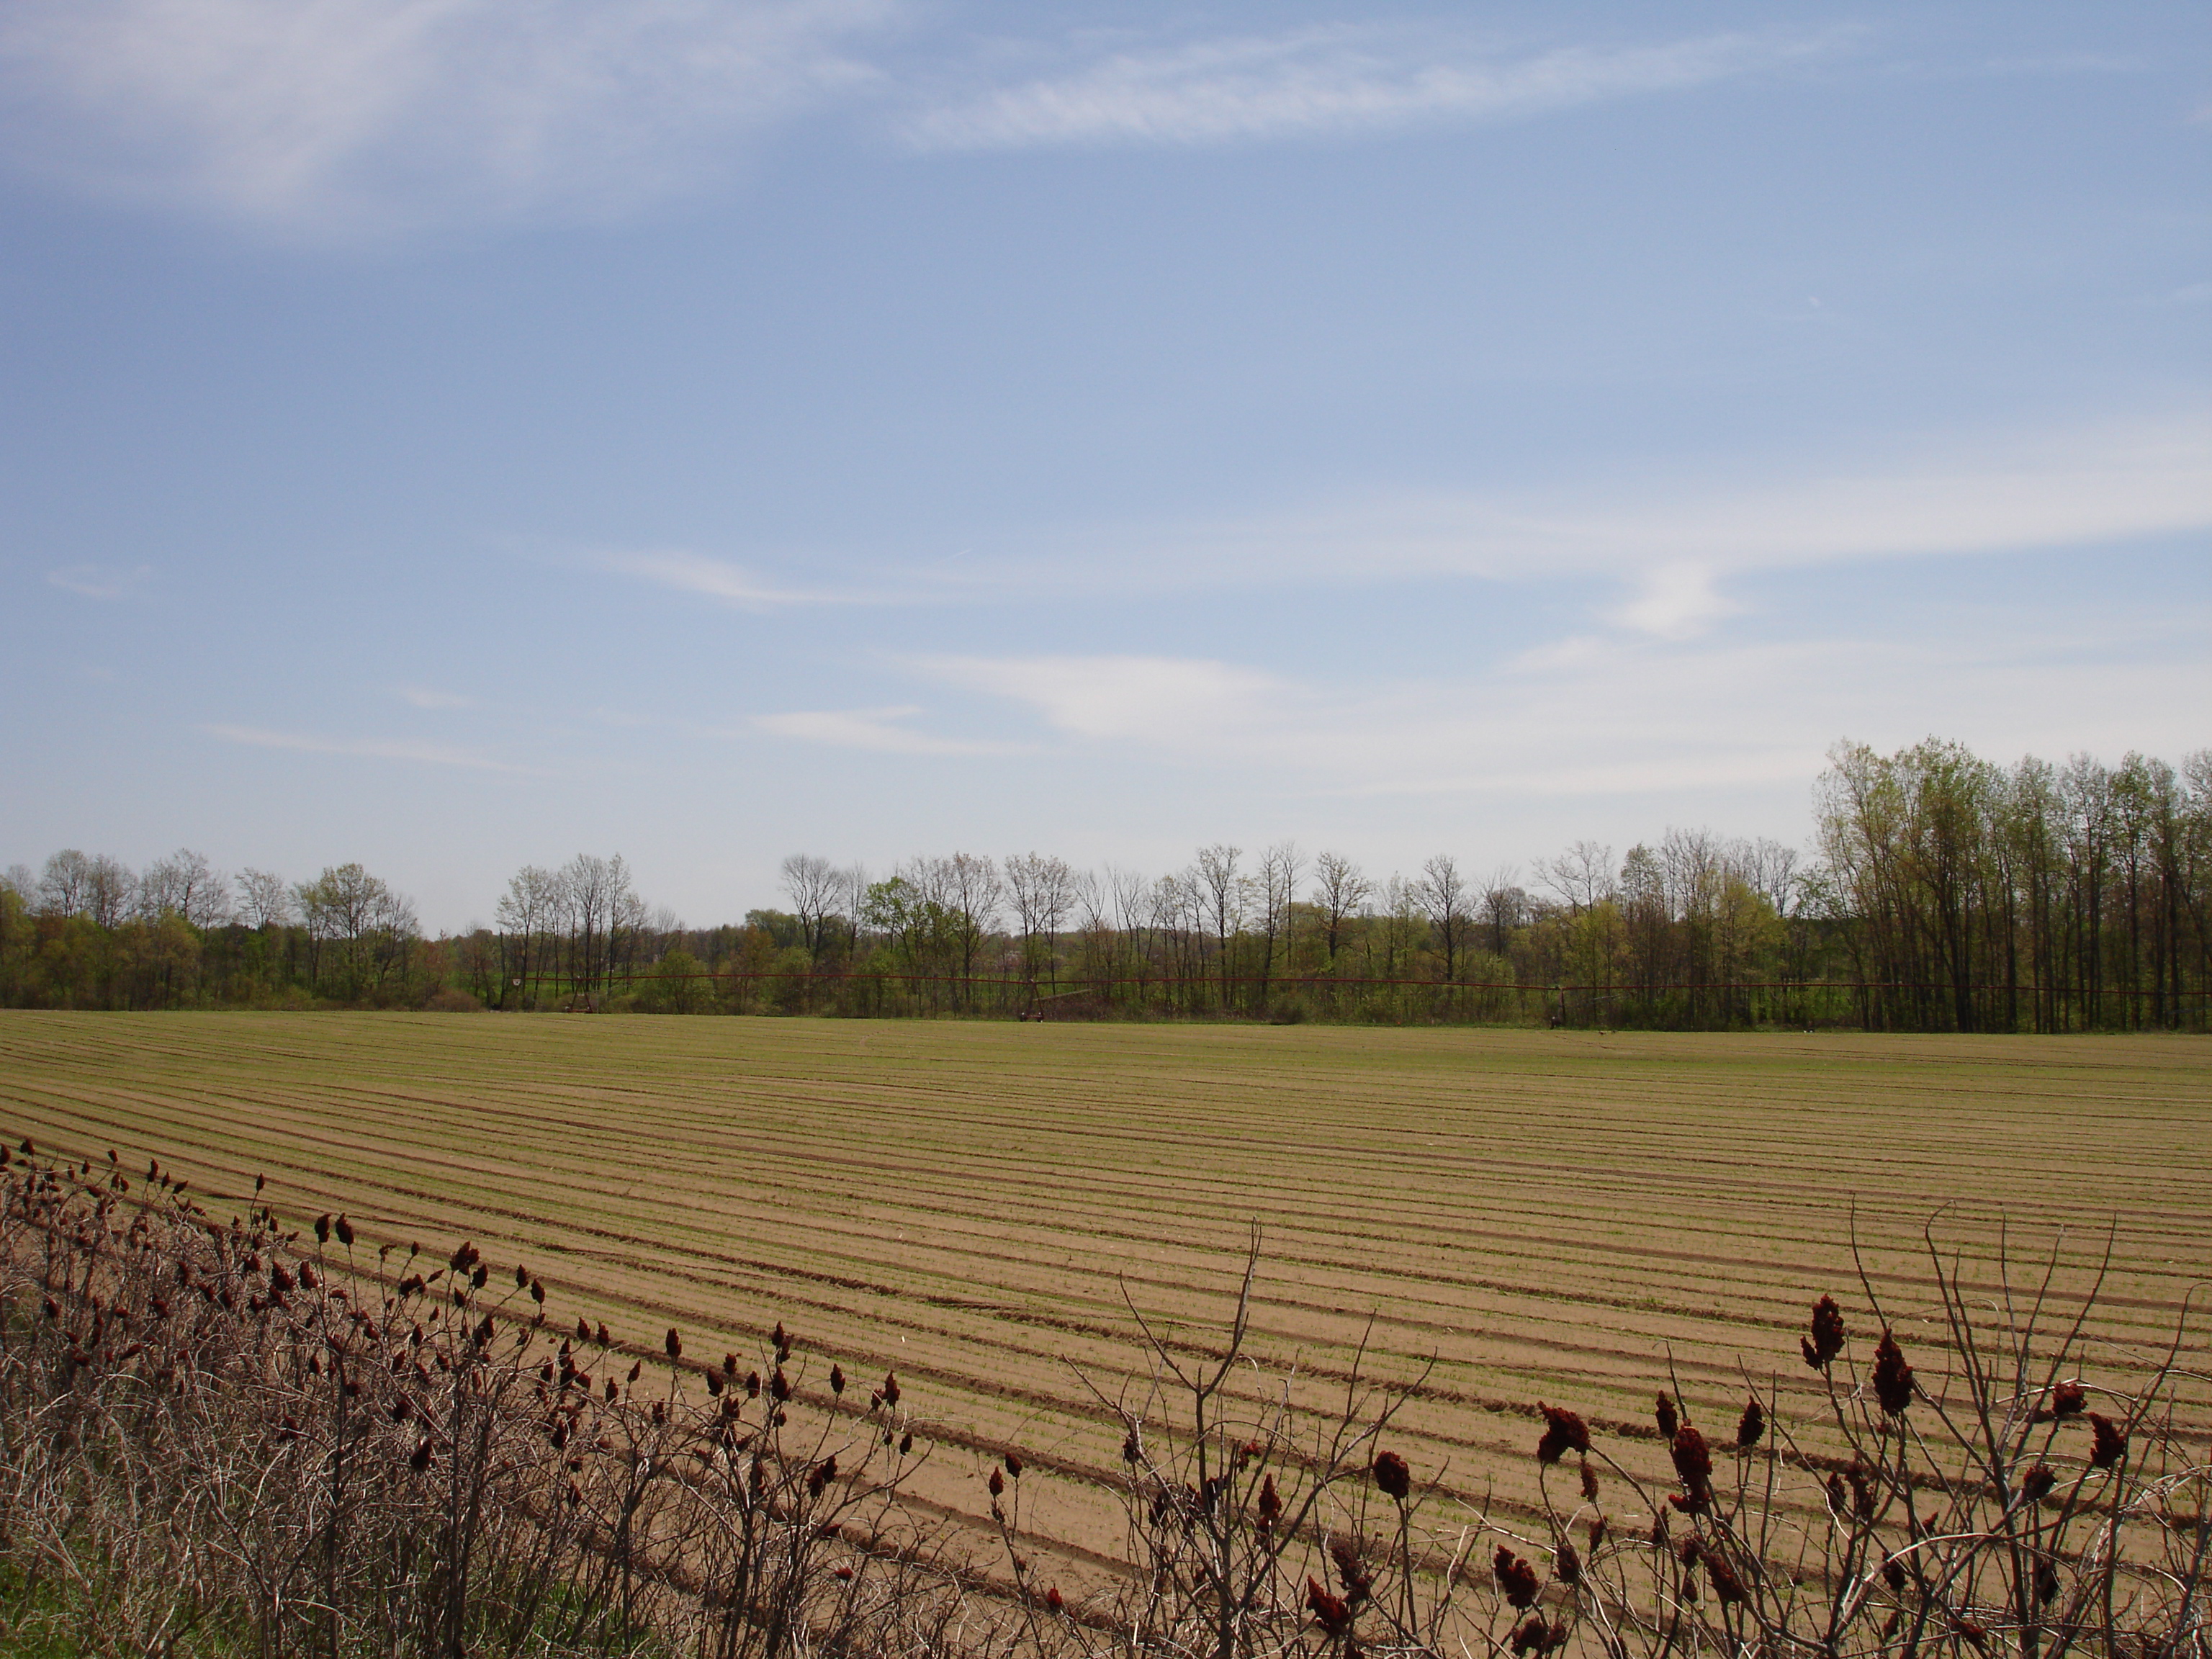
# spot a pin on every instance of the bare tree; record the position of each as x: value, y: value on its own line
x: 1394, y: 924
x: 1280, y: 867
x: 1179, y: 911
x: 526, y: 915
x: 184, y: 883
x: 810, y: 884
x: 1582, y: 876
x: 1130, y: 897
x: 975, y: 892
x: 1091, y: 909
x: 1024, y: 887
x: 1060, y: 885
x: 63, y: 884
x: 1441, y: 892
x: 1770, y: 868
x: 109, y: 887
x: 1227, y: 895
x: 627, y: 914
x: 1043, y: 892
x: 264, y: 899
x: 156, y: 893
x: 1340, y: 891
x: 852, y: 888
x: 588, y: 890
x: 1132, y: 903
x: 1504, y: 906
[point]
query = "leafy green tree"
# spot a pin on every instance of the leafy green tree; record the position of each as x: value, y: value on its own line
x: 363, y: 934
x: 676, y: 984
x: 924, y: 937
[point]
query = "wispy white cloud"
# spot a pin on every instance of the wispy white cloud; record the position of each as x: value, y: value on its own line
x: 872, y: 729
x: 1517, y: 730
x: 96, y: 581
x: 350, y: 117
x: 1673, y: 545
x: 2113, y: 484
x: 2068, y: 63
x: 1676, y: 601
x: 1606, y: 716
x: 1118, y: 696
x: 718, y: 579
x: 425, y: 696
x: 1336, y: 80
x: 427, y: 754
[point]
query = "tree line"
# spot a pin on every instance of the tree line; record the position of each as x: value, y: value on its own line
x: 1943, y: 893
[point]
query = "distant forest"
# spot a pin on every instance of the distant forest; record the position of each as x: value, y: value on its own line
x: 1943, y: 893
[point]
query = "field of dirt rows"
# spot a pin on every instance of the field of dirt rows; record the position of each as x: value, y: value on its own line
x: 1523, y: 1215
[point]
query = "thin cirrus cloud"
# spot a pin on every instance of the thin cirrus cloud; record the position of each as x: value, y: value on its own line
x: 2118, y: 481
x: 875, y: 729
x: 95, y: 581
x: 1668, y: 548
x: 1595, y: 716
x: 1523, y: 726
x: 1672, y: 545
x: 1118, y: 696
x: 427, y: 754
x: 350, y: 117
x: 1676, y: 601
x: 1337, y: 80
x: 718, y: 579
x: 428, y: 696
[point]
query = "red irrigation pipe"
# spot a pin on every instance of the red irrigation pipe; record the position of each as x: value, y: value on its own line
x: 1310, y: 982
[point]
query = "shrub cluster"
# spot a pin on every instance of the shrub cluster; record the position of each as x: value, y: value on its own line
x: 219, y: 1436
x: 223, y: 1436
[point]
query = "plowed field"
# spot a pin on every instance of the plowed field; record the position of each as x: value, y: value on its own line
x: 1560, y: 1215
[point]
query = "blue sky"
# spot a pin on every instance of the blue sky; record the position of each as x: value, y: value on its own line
x: 451, y: 433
